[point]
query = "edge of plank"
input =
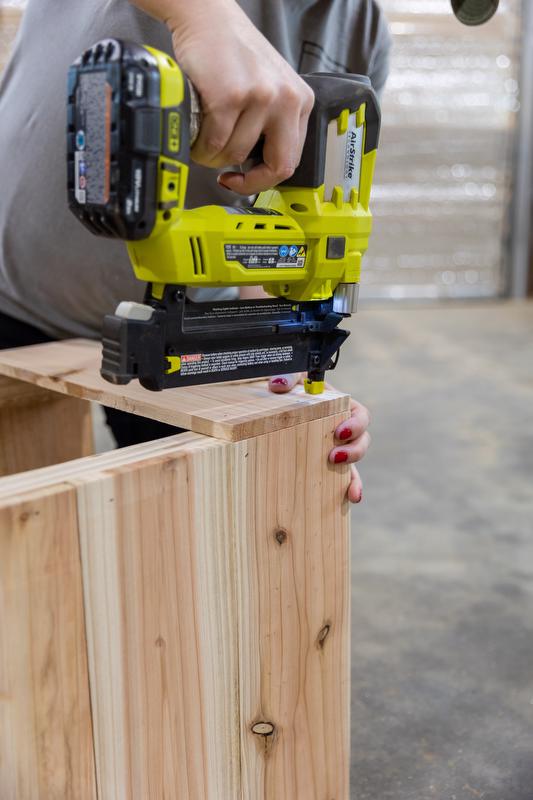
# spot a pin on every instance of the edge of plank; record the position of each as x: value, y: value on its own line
x: 230, y: 411
x: 70, y: 471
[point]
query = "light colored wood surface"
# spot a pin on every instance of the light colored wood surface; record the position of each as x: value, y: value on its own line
x: 113, y: 459
x: 38, y: 427
x: 46, y: 750
x: 232, y: 411
x: 293, y: 593
x: 215, y: 580
x: 158, y: 543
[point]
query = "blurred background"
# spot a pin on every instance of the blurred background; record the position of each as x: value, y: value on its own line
x: 442, y: 353
x: 443, y: 195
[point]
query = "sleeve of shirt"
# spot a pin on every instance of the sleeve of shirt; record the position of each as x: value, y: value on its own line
x: 379, y: 63
x: 371, y: 43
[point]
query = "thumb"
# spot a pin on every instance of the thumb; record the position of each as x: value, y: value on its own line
x: 279, y: 384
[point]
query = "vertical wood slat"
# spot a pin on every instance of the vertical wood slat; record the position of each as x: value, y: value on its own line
x: 157, y: 554
x: 46, y: 749
x: 39, y: 427
x: 218, y: 587
x: 295, y: 612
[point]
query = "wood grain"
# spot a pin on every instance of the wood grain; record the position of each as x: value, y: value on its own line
x: 46, y: 750
x: 217, y: 594
x: 215, y: 587
x: 293, y: 582
x: 12, y: 485
x: 157, y: 543
x: 233, y: 411
x: 38, y: 427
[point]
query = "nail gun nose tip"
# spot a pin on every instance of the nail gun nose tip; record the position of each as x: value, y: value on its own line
x: 314, y: 387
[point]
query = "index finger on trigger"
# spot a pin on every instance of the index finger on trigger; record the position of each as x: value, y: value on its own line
x: 215, y: 132
x: 258, y: 179
x: 281, y: 153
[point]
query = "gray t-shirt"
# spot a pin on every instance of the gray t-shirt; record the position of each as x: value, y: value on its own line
x: 53, y: 273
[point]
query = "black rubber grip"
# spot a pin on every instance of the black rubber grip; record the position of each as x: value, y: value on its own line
x: 333, y: 94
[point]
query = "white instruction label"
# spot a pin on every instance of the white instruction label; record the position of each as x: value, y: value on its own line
x: 232, y: 360
x: 343, y: 158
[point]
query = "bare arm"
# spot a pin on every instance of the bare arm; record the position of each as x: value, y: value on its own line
x: 246, y: 89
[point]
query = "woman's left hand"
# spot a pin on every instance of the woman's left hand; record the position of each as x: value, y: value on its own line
x: 351, y: 436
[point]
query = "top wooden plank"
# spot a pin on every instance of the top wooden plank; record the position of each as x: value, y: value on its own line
x: 230, y: 411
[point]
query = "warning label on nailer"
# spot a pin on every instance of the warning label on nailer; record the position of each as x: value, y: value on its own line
x: 267, y: 256
x: 231, y: 360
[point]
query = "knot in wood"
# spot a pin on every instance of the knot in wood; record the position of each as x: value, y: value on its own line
x: 263, y: 728
x: 323, y: 635
x: 26, y: 515
x: 281, y: 536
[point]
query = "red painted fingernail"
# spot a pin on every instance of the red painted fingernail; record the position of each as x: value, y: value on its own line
x: 340, y: 457
x: 345, y: 433
x: 280, y: 381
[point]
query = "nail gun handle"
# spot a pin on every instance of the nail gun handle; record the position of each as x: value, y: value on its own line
x: 334, y: 94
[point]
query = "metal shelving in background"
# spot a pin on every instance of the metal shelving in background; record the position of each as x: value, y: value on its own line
x: 443, y: 185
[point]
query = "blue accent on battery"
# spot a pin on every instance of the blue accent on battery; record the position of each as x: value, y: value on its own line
x: 283, y: 250
x: 293, y: 250
x: 80, y: 140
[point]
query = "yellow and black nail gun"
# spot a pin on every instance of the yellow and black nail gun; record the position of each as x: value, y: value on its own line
x: 132, y: 118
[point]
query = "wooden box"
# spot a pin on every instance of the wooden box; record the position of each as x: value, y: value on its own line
x: 174, y: 616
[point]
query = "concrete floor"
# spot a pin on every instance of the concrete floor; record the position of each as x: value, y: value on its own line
x: 443, y: 554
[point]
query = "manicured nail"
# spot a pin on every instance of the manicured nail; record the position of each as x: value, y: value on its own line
x: 280, y: 381
x: 341, y: 456
x: 345, y: 433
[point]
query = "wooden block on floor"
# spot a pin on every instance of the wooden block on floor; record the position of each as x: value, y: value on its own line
x: 230, y: 411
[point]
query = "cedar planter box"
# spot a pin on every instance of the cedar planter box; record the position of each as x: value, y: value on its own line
x: 174, y: 616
